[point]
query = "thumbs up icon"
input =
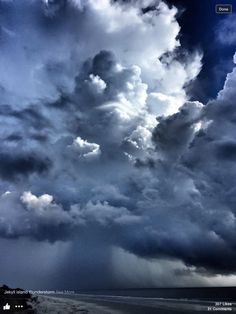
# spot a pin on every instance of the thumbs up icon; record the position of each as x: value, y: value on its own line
x: 6, y: 307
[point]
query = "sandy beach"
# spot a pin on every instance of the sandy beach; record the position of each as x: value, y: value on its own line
x: 124, y: 305
x: 54, y: 305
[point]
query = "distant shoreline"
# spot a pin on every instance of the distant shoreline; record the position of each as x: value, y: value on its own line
x: 193, y: 293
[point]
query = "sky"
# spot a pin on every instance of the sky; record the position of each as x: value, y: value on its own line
x: 118, y: 150
x: 199, y: 28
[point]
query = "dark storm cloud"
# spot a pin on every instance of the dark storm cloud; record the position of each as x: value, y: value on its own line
x: 226, y: 150
x: 195, y: 204
x: 15, y: 165
x: 173, y: 134
x: 30, y: 116
x: 200, y: 249
x: 103, y: 63
x: 14, y: 137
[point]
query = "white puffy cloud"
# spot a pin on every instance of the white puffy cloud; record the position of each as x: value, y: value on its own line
x: 34, y: 202
x: 48, y: 58
x: 85, y: 149
x: 162, y: 104
x: 140, y: 138
x: 96, y: 83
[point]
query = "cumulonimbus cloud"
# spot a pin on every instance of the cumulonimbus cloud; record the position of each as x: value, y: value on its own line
x: 97, y: 133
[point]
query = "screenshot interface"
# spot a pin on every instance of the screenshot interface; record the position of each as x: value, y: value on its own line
x: 117, y: 156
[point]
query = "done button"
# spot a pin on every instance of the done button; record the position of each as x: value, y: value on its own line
x: 224, y: 8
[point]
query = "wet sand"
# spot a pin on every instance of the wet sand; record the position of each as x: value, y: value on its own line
x: 95, y: 304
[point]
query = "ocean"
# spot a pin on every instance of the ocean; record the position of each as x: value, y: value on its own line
x: 203, y: 293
